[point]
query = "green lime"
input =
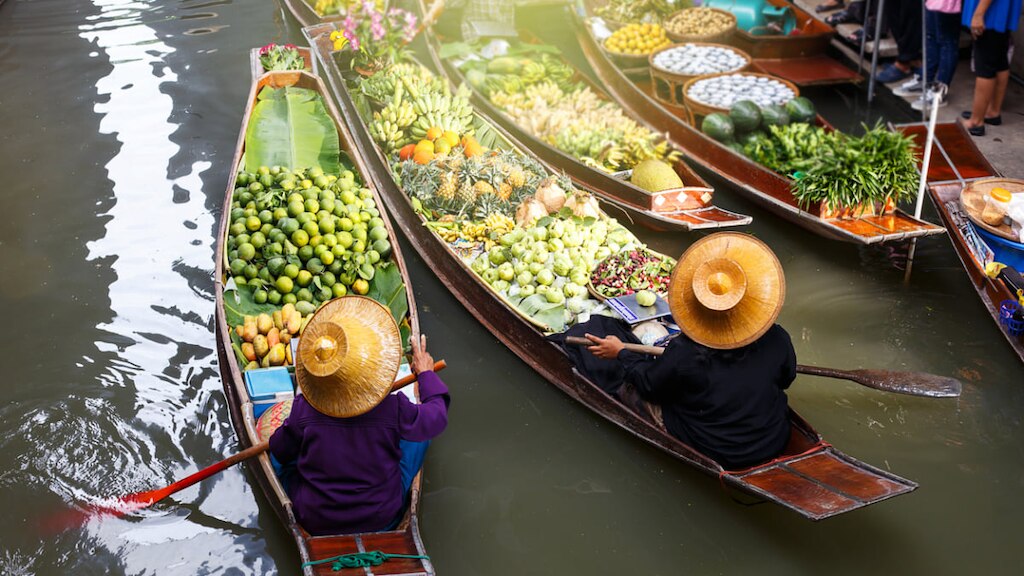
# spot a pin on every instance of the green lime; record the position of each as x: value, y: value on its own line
x: 316, y: 240
x: 274, y: 297
x: 260, y: 296
x: 314, y: 172
x: 311, y: 228
x: 276, y: 265
x: 246, y: 251
x: 287, y: 184
x: 378, y: 233
x: 358, y: 246
x: 255, y: 187
x: 383, y: 247
x: 323, y: 294
x: 304, y: 218
x: 258, y: 240
x: 375, y: 222
x: 237, y: 213
x: 253, y: 223
x: 300, y: 238
x: 284, y: 284
x: 296, y: 197
x: 339, y: 251
x: 337, y: 268
x: 295, y: 208
x: 315, y: 266
x: 265, y: 216
x: 289, y: 299
x: 237, y: 265
x: 241, y: 239
x: 242, y: 179
x: 320, y: 249
x: 304, y: 278
x: 345, y: 224
x: 327, y: 194
x: 312, y: 206
x: 267, y: 180
x: 339, y: 290
x: 306, y: 252
x: 245, y: 197
x: 304, y: 295
x: 330, y: 240
x: 250, y: 271
x: 240, y: 280
x: 279, y: 213
x: 327, y: 225
x: 345, y: 239
x: 327, y: 257
x: 290, y: 226
x: 327, y: 204
x: 237, y: 228
x: 328, y: 279
x: 321, y: 181
x: 266, y: 229
x: 291, y: 271
x: 263, y: 170
x: 372, y: 256
x: 359, y: 233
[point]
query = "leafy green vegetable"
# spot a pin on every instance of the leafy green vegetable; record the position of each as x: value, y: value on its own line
x: 291, y: 127
x: 455, y: 50
x: 544, y: 312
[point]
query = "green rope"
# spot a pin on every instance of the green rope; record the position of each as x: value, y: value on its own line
x: 361, y: 560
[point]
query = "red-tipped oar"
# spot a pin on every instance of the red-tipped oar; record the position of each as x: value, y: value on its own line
x: 911, y: 383
x: 141, y: 500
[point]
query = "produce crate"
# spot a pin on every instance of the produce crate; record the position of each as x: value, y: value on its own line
x: 701, y: 109
x: 718, y: 37
x: 668, y: 86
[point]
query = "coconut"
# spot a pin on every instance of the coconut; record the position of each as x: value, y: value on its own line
x: 550, y: 194
x: 529, y: 211
x: 583, y: 204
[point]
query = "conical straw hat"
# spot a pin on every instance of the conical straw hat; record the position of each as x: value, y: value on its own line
x: 348, y: 356
x: 726, y: 290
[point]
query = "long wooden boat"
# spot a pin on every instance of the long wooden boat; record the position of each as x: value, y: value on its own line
x: 811, y: 478
x: 303, y: 11
x: 406, y: 538
x: 955, y: 162
x: 801, y: 57
x: 688, y: 208
x: 753, y: 181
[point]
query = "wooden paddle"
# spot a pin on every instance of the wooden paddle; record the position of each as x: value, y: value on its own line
x: 141, y: 500
x: 911, y: 383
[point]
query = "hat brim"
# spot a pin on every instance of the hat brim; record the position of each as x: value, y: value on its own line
x: 755, y: 312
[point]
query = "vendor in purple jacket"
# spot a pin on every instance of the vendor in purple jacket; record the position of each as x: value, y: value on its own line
x: 356, y: 447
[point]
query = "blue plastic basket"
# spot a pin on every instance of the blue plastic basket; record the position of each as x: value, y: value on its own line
x: 1005, y: 251
x: 1008, y: 309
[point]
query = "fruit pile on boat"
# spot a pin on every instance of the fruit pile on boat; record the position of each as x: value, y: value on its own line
x: 531, y: 236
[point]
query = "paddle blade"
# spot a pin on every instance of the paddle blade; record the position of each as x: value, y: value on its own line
x: 912, y: 383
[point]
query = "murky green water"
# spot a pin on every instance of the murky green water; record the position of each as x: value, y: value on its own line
x: 118, y: 124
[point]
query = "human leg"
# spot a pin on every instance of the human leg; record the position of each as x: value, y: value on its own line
x: 904, y: 17
x: 990, y: 64
x: 931, y: 40
x: 947, y: 47
x: 995, y: 108
x: 413, y: 454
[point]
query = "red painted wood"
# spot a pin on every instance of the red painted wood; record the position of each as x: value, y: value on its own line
x: 800, y: 492
x: 828, y: 469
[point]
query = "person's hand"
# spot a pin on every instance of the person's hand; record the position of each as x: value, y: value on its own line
x: 607, y: 348
x: 977, y: 24
x: 421, y: 361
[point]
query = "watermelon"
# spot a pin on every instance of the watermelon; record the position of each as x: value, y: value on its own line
x: 801, y: 109
x: 718, y: 126
x: 736, y: 147
x: 774, y: 115
x: 749, y: 137
x: 745, y: 115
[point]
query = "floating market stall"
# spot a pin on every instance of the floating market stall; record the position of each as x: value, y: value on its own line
x: 573, y: 126
x: 737, y: 125
x: 522, y: 278
x: 299, y: 227
x: 956, y: 166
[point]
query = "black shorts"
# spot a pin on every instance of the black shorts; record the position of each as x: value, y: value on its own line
x: 991, y: 51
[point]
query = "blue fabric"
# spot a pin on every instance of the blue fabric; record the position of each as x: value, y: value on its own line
x: 891, y: 74
x: 413, y: 454
x: 943, y: 45
x: 1001, y: 16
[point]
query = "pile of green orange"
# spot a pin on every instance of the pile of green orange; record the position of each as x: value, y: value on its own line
x: 304, y: 236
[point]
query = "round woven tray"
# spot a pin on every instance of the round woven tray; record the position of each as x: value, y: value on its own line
x: 721, y: 36
x: 701, y: 109
x: 972, y: 198
x: 668, y: 86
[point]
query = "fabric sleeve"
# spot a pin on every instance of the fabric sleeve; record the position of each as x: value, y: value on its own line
x: 426, y: 420
x: 653, y: 378
x: 787, y: 372
x: 286, y: 441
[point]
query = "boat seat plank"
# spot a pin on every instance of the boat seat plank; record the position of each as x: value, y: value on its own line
x: 796, y: 491
x: 809, y: 70
x: 853, y: 481
x: 322, y: 547
x: 955, y: 156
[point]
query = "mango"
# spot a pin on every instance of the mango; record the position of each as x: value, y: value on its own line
x: 249, y: 330
x: 252, y: 365
x: 285, y: 336
x: 264, y: 323
x: 304, y: 322
x: 287, y: 310
x: 248, y: 351
x: 240, y: 330
x: 288, y: 355
x: 273, y: 337
x: 277, y: 355
x: 260, y: 345
x: 294, y: 322
x: 278, y: 320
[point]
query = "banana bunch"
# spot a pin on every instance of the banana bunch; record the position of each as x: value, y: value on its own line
x: 397, y: 112
x: 443, y: 110
x: 556, y: 69
x: 497, y: 223
x: 387, y: 133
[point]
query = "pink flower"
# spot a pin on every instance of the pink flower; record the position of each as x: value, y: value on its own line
x: 291, y: 47
x: 368, y: 7
x: 377, y: 31
x: 267, y: 48
x: 348, y: 24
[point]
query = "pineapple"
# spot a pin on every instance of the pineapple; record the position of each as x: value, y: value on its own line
x: 465, y: 194
x: 483, y: 188
x: 446, y: 190
x: 516, y: 178
x: 504, y: 191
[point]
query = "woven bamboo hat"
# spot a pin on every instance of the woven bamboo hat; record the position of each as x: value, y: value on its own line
x: 727, y: 290
x: 348, y: 356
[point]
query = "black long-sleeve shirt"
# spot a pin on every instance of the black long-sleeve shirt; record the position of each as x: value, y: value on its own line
x: 728, y: 404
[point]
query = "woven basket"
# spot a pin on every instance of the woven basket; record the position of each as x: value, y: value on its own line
x: 701, y: 109
x: 721, y: 36
x: 668, y: 86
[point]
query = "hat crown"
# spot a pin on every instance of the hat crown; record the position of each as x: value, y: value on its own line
x: 719, y: 283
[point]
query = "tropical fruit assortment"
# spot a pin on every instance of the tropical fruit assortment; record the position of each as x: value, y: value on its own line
x: 568, y: 115
x: 513, y: 74
x: 637, y: 39
x: 530, y: 236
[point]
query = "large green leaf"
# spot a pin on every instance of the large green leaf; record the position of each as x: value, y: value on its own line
x: 388, y: 289
x: 544, y: 312
x: 290, y: 127
x: 238, y: 304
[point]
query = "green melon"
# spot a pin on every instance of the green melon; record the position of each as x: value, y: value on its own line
x: 774, y: 115
x: 745, y: 115
x: 718, y: 126
x: 801, y: 109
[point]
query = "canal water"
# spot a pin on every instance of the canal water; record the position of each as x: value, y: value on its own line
x: 118, y: 120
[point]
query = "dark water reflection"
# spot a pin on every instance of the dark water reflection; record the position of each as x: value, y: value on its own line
x: 118, y: 124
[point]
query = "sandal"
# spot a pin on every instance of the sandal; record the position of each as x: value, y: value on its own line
x: 829, y: 6
x: 975, y: 130
x: 994, y: 121
x: 838, y: 18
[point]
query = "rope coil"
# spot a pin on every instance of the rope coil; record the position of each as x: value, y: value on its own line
x: 360, y: 560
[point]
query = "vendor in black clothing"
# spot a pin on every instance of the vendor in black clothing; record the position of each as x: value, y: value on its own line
x: 720, y: 384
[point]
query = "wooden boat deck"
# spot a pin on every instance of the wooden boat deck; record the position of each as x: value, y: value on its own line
x: 406, y: 538
x: 753, y: 181
x: 839, y: 483
x: 955, y: 161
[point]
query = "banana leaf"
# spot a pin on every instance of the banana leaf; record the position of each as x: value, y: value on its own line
x: 238, y: 303
x: 290, y: 127
x: 388, y: 289
x: 544, y: 312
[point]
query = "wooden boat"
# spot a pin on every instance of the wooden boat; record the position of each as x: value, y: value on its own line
x: 687, y: 208
x: 753, y: 181
x: 800, y: 57
x: 955, y: 162
x: 811, y: 478
x: 303, y: 11
x: 406, y: 538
